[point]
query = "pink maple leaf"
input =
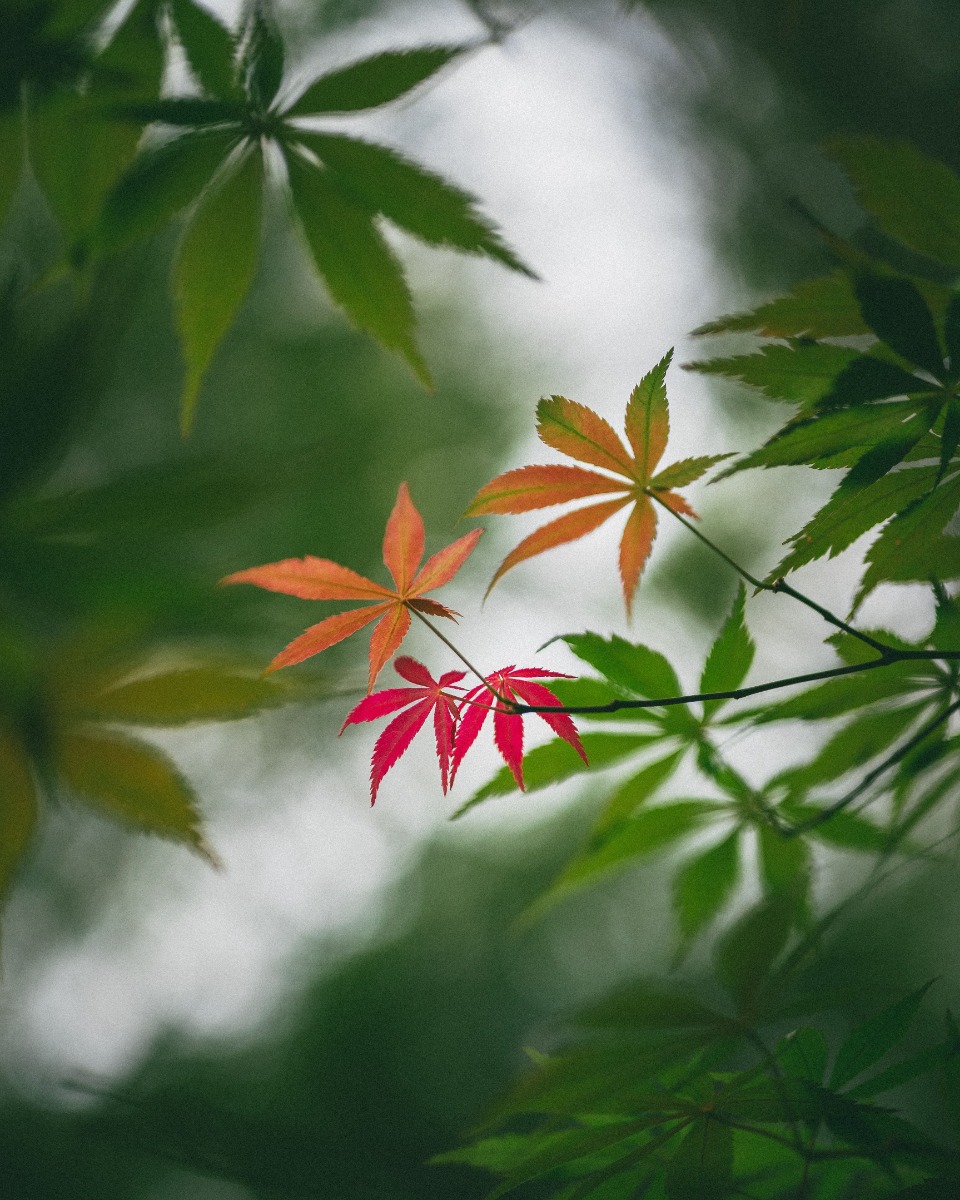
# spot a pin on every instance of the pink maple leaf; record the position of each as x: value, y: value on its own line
x: 419, y: 701
x: 518, y: 686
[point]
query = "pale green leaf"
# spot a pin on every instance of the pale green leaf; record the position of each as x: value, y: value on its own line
x: 134, y: 783
x: 215, y: 267
x: 183, y: 696
x: 633, y: 667
x: 730, y: 657
x: 636, y: 791
x: 705, y: 884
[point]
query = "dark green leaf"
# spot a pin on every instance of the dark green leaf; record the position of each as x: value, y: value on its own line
x: 827, y: 439
x: 12, y: 157
x: 950, y: 436
x: 192, y: 111
x: 162, y: 181
x: 951, y: 333
x: 705, y: 883
x: 215, y: 267
x: 132, y: 64
x: 209, y: 47
x: 746, y: 953
x: 891, y: 451
x: 903, y: 1072
x: 637, y: 790
x: 263, y: 55
x: 633, y: 667
x: 869, y: 1042
x: 730, y: 656
x: 373, y: 81
x: 850, y: 513
x: 914, y: 199
x: 643, y: 1006
x: 383, y: 183
x: 702, y: 1167
x: 869, y: 378
x: 898, y: 315
x: 816, y: 308
x: 802, y: 372
x: 912, y: 547
x: 557, y: 760
x: 803, y: 1054
x: 785, y: 866
x: 360, y: 270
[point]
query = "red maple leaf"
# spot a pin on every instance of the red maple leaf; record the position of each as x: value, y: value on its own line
x: 320, y: 579
x: 518, y: 686
x: 427, y: 696
x: 584, y: 435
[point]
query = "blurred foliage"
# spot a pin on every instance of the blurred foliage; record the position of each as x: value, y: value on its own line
x: 799, y: 1047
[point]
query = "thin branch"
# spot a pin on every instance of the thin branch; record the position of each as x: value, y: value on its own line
x: 613, y: 706
x: 463, y: 658
x: 778, y: 585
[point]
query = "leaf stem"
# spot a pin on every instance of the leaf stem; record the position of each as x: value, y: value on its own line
x: 463, y: 658
x: 778, y: 585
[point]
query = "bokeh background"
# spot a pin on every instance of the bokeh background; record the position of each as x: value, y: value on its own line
x: 348, y: 994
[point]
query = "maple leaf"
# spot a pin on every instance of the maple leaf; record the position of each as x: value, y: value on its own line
x: 320, y: 579
x: 419, y: 701
x: 584, y: 435
x: 518, y: 687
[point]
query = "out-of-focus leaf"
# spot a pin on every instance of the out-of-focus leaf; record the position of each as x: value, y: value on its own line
x: 803, y: 1054
x: 746, y: 953
x: 359, y: 268
x: 704, y: 885
x: 161, y: 181
x: 633, y: 667
x: 844, y: 829
x: 132, y: 65
x: 557, y: 760
x: 11, y: 155
x: 784, y: 864
x: 215, y: 267
x: 851, y: 747
x: 644, y: 1006
x: 263, y: 56
x: 373, y: 81
x: 384, y: 183
x: 181, y: 111
x: 730, y: 656
x: 650, y: 830
x: 816, y: 308
x: 636, y: 790
x: 702, y: 1167
x: 77, y: 157
x: 898, y: 315
x: 869, y: 1042
x: 837, y: 697
x: 904, y: 1071
x: 209, y: 47
x: 184, y: 696
x: 914, y: 199
x: 951, y: 333
x: 802, y: 372
x: 18, y: 808
x: 132, y: 782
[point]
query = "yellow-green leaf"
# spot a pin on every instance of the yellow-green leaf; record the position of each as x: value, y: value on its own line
x: 18, y: 808
x: 215, y: 267
x: 132, y: 782
x: 192, y: 694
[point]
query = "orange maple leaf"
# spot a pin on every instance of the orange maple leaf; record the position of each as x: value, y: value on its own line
x: 320, y: 579
x: 582, y: 434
